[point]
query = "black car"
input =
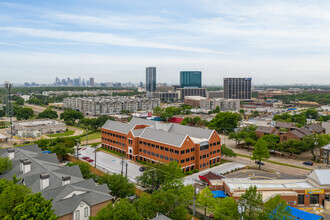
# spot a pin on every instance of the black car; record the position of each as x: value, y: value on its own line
x: 142, y: 169
x: 259, y: 162
x: 308, y: 163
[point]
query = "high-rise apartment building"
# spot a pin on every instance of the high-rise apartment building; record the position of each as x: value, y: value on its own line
x: 151, y: 79
x: 191, y: 79
x: 91, y: 81
x: 237, y: 88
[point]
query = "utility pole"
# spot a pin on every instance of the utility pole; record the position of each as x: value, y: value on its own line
x: 122, y: 165
x: 126, y: 168
x: 95, y: 155
x: 9, y: 107
x: 77, y: 140
x: 86, y: 136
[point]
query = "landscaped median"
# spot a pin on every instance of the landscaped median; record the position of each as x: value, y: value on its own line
x: 64, y: 134
x: 278, y: 163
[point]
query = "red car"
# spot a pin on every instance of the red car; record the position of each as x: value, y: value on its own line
x: 85, y: 158
x: 90, y: 160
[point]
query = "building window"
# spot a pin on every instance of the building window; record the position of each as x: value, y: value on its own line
x: 204, y: 147
x: 161, y: 156
x: 152, y: 153
x: 86, y: 212
x: 218, y: 143
x: 144, y: 151
x: 157, y: 155
x: 285, y: 138
x: 77, y: 215
x: 176, y: 152
x: 140, y: 150
x: 301, y: 199
x: 140, y: 142
x: 192, y: 149
x: 157, y: 147
x: 152, y: 145
x: 166, y: 157
x: 162, y: 148
x: 171, y: 150
x: 182, y: 152
x: 171, y: 159
x: 148, y: 152
x: 182, y: 161
x: 148, y: 144
x: 314, y: 199
x: 188, y: 150
x: 187, y: 169
x: 192, y: 158
x: 144, y: 143
x: 187, y: 160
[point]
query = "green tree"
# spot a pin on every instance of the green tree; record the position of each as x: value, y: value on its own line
x: 118, y: 211
x: 158, y: 111
x: 2, y: 113
x: 70, y: 116
x: 5, y: 164
x: 227, y: 209
x: 62, y: 150
x: 248, y: 142
x: 118, y: 184
x: 251, y: 200
x: 18, y: 100
x: 225, y: 151
x: 205, y: 200
x: 161, y: 175
x: 276, y: 209
x: 34, y: 207
x: 24, y: 113
x: 145, y: 205
x: 11, y: 195
x: 85, y: 169
x: 272, y: 141
x: 260, y: 151
x: 313, y: 142
x: 48, y: 113
x: 225, y: 121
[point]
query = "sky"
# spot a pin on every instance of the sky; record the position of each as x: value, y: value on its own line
x: 274, y: 42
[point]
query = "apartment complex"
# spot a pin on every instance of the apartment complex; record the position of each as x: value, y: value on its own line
x: 72, y: 196
x: 224, y: 104
x: 191, y: 92
x: 109, y: 105
x: 152, y: 141
x: 191, y: 79
x: 237, y: 88
x: 36, y: 128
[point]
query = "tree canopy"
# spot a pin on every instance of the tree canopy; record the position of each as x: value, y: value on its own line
x: 84, y: 168
x: 5, y: 164
x: 260, y: 151
x: 48, y: 113
x: 70, y: 116
x: 24, y: 113
x: 225, y: 122
x: 251, y: 200
x: 118, y: 184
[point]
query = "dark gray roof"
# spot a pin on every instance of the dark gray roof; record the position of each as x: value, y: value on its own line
x: 326, y: 147
x: 191, y: 131
x: 316, y: 128
x: 118, y: 126
x: 41, y: 164
x: 265, y: 129
x: 163, y: 136
x: 305, y: 131
x: 282, y: 124
x: 298, y: 133
x: 141, y: 121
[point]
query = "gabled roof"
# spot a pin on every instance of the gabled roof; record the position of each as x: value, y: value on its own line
x: 316, y: 128
x: 118, y: 126
x: 42, y: 163
x: 321, y: 176
x: 326, y: 147
x: 305, y: 131
x: 265, y: 129
x: 281, y: 124
x: 191, y: 131
x: 298, y: 133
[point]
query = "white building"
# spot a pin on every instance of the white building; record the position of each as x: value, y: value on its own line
x: 224, y: 104
x: 37, y: 128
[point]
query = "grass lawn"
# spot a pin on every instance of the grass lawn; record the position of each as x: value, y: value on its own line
x: 279, y: 163
x: 67, y: 133
x: 91, y: 136
x: 111, y: 151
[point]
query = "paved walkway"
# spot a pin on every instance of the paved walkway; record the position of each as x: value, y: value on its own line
x: 221, y: 169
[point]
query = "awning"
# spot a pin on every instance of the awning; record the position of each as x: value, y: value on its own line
x: 219, y: 194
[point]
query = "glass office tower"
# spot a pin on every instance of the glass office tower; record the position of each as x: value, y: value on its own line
x: 151, y: 79
x: 191, y: 79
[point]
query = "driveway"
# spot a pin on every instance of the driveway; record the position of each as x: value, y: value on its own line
x: 111, y: 163
x: 221, y: 169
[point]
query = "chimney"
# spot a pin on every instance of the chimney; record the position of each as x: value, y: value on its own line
x: 21, y: 164
x: 11, y: 153
x: 66, y: 180
x: 26, y: 166
x: 44, y: 180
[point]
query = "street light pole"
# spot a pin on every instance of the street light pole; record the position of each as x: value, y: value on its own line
x: 77, y: 148
x: 86, y: 136
x: 122, y: 165
x: 126, y: 168
x: 95, y: 156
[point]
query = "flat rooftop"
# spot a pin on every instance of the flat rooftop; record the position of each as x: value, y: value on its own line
x: 36, y: 123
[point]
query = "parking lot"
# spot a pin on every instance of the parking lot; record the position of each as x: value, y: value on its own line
x: 111, y: 163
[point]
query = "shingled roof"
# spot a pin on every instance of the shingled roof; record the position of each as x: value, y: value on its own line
x: 65, y: 198
x: 265, y: 129
x: 316, y: 128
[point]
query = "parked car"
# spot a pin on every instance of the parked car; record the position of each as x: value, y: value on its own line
x: 85, y: 158
x: 142, y: 169
x: 259, y: 162
x: 308, y: 163
x: 90, y: 160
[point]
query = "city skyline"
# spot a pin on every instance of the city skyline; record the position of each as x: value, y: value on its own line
x: 269, y: 41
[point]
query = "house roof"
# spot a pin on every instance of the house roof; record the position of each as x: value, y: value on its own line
x: 65, y: 198
x: 321, y: 176
x: 305, y: 131
x: 326, y: 147
x: 316, y: 128
x: 298, y: 133
x: 161, y: 217
x: 281, y: 124
x: 265, y: 129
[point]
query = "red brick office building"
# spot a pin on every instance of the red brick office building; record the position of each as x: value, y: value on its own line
x: 152, y: 141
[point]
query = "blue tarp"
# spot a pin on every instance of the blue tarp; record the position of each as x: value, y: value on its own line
x: 299, y: 214
x: 219, y: 194
x: 47, y: 152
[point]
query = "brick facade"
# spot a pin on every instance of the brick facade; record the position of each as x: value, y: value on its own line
x: 190, y: 155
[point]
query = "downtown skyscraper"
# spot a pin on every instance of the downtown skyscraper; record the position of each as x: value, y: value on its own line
x: 150, y: 79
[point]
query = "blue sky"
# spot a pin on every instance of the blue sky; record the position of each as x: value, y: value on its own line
x: 275, y: 42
